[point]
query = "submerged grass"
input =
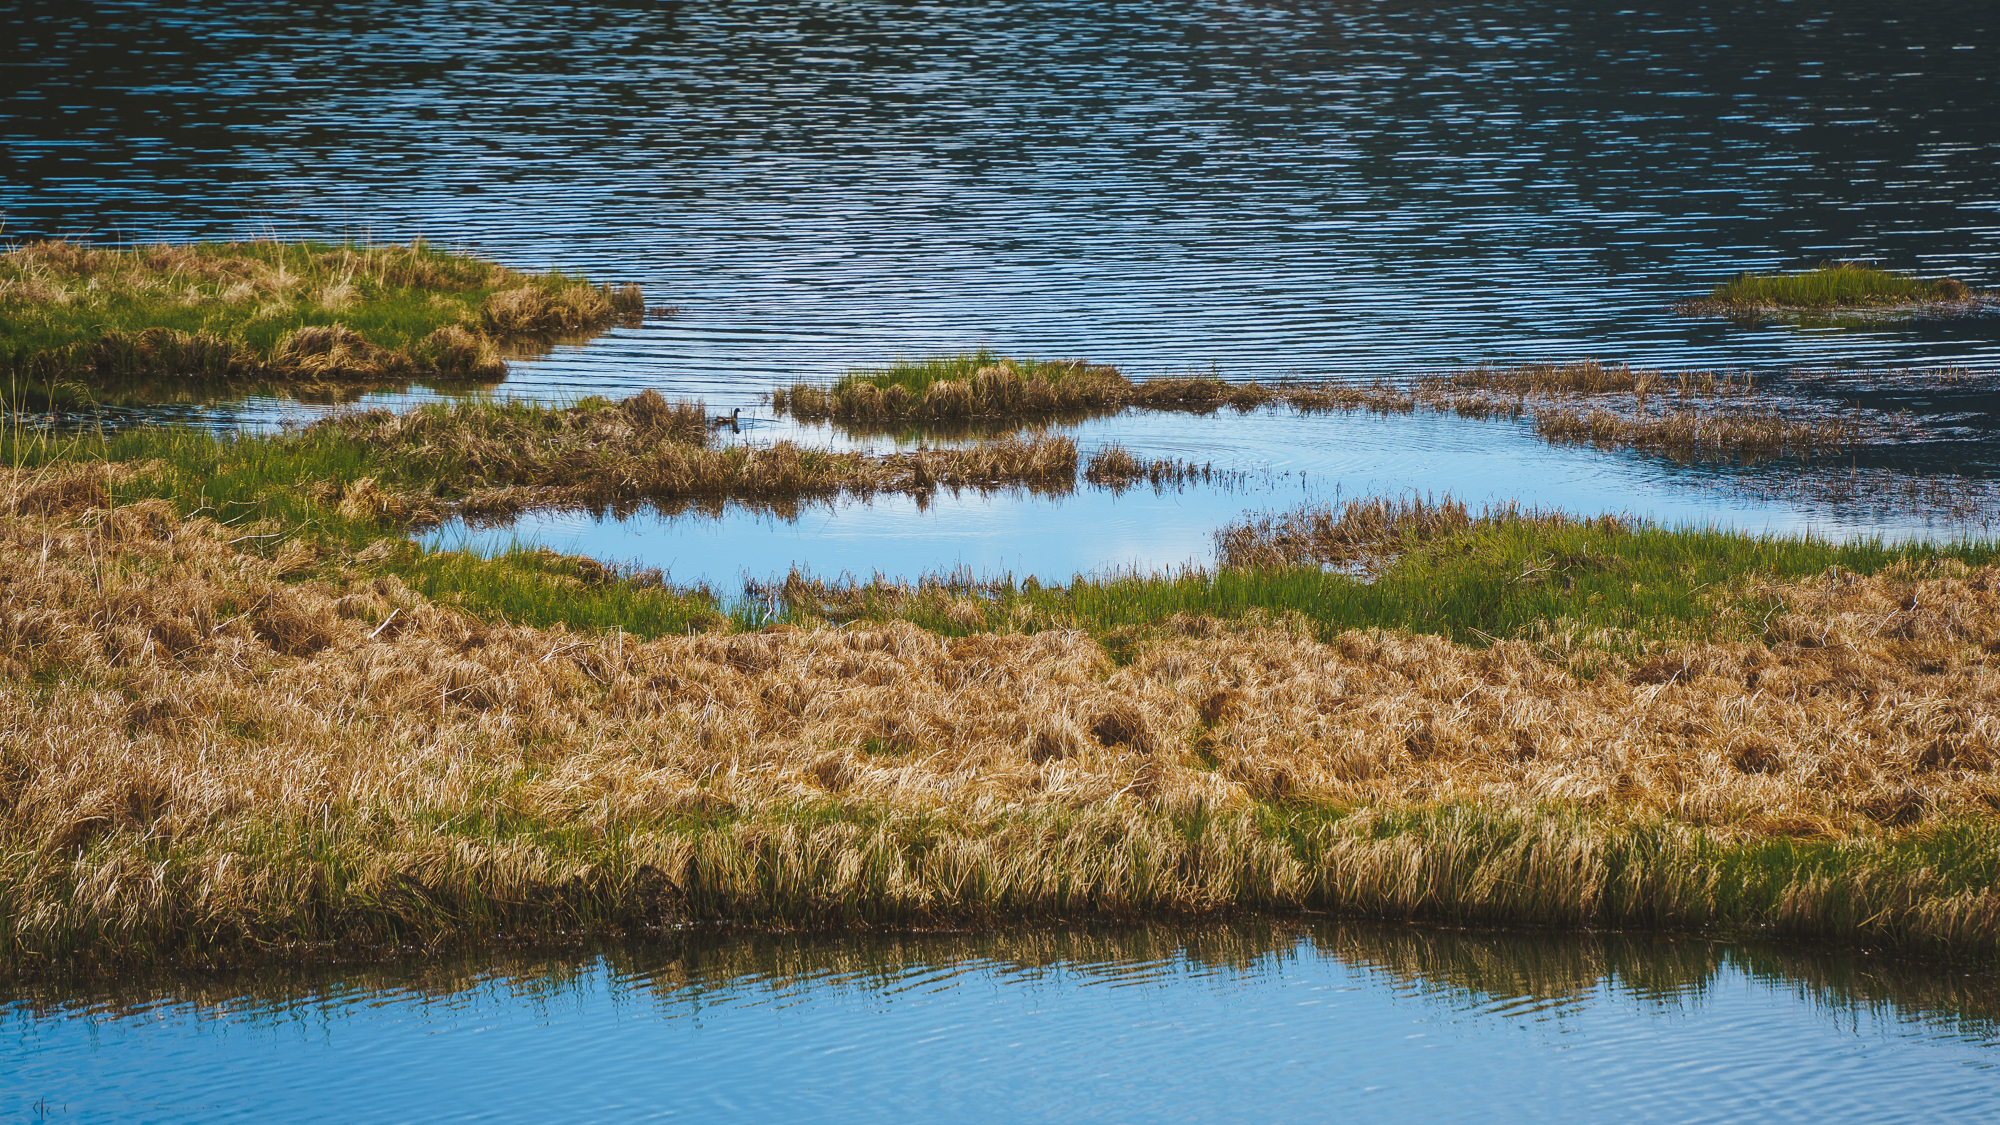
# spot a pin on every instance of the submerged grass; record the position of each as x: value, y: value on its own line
x: 76, y: 318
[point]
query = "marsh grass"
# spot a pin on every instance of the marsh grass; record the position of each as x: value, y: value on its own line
x: 76, y: 320
x: 1118, y: 468
x: 1689, y: 415
x: 1835, y: 286
x: 1743, y: 436
x: 488, y: 460
x: 225, y: 747
x: 1584, y: 593
x: 538, y: 588
x: 957, y: 389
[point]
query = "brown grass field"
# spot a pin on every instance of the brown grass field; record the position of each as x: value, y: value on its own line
x: 213, y: 751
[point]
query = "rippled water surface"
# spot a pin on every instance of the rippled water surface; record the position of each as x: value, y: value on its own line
x: 1265, y: 188
x: 1358, y: 190
x: 1240, y: 1023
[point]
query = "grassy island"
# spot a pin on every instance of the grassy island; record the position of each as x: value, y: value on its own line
x: 246, y: 719
x: 77, y: 319
x: 1685, y: 415
x: 1837, y: 287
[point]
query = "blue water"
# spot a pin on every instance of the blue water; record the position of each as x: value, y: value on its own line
x: 1367, y: 191
x: 1233, y: 1023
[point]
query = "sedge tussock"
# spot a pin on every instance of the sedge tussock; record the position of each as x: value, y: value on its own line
x: 1368, y: 533
x: 204, y: 759
x: 1118, y: 468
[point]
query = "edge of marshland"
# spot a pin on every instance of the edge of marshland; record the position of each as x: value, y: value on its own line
x: 77, y: 319
x: 241, y: 728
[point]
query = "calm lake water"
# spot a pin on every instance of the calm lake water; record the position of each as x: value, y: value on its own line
x: 1245, y: 1022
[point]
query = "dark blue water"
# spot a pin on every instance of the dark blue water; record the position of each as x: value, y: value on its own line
x: 1232, y: 1023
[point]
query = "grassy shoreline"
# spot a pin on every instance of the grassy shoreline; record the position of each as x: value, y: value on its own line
x: 248, y: 722
x: 78, y: 320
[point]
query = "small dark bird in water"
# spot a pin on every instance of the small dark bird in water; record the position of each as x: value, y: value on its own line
x: 729, y: 420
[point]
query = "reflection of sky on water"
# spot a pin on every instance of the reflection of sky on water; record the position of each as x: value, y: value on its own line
x: 1284, y: 459
x: 1383, y: 1025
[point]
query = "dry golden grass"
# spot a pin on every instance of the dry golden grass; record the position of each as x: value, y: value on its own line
x: 490, y: 461
x: 1690, y: 435
x: 1118, y: 468
x: 203, y: 759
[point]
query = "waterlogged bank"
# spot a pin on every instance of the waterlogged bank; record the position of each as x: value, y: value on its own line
x: 242, y: 743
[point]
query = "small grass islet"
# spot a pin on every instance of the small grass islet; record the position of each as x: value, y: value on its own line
x: 1841, y: 287
x: 80, y: 322
x: 1685, y: 415
x: 248, y: 720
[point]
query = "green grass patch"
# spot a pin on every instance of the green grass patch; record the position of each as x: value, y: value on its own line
x: 916, y: 376
x: 1599, y: 587
x: 957, y: 389
x: 538, y: 587
x: 77, y: 319
x: 1836, y: 285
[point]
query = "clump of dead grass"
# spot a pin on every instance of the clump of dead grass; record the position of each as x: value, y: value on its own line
x: 1744, y: 436
x: 495, y: 459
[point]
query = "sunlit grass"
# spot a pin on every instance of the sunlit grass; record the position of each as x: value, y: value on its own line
x: 1835, y: 285
x: 73, y: 315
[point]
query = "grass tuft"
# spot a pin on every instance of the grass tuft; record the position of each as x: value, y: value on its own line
x: 1835, y: 286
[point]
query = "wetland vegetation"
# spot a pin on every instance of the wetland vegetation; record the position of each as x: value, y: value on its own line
x: 309, y: 737
x: 79, y: 321
x: 1686, y: 415
x: 1839, y: 287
